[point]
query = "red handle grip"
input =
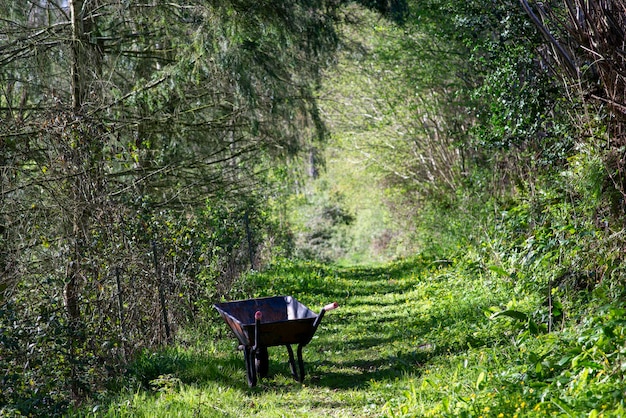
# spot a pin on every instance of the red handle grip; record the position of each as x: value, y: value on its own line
x: 331, y: 306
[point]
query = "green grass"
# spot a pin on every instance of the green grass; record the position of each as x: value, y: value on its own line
x: 411, y: 338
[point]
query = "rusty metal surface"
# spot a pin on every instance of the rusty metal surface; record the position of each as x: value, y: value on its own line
x: 284, y: 321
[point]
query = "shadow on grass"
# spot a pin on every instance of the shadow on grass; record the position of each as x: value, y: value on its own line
x: 312, y: 281
x: 190, y: 367
x: 359, y: 373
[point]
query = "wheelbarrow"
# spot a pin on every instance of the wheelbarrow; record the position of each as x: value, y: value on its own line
x: 272, y: 321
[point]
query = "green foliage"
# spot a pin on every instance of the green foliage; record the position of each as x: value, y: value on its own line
x: 321, y: 231
x: 516, y: 104
x: 28, y: 381
x: 394, y: 107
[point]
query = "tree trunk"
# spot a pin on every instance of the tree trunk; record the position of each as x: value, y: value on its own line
x: 82, y: 160
x: 162, y: 299
x: 76, y: 7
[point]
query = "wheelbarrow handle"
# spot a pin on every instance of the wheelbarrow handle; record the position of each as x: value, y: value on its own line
x: 257, y: 323
x: 328, y: 307
x: 331, y: 306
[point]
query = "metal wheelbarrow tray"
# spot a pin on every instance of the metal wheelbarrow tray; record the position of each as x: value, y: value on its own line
x: 272, y: 321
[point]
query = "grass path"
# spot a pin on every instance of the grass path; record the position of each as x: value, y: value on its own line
x: 408, y: 339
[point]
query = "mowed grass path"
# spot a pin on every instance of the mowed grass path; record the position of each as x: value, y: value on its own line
x: 407, y: 338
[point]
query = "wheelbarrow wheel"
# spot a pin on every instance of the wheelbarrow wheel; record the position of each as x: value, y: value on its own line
x: 250, y: 366
x: 262, y: 362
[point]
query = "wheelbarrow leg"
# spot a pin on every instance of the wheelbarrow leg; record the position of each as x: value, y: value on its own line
x: 300, y: 363
x: 292, y: 363
x: 257, y: 358
x: 297, y: 371
x: 262, y: 362
x: 248, y: 353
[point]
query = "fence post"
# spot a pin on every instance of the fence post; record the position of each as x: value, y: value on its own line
x: 246, y: 220
x: 120, y: 310
x: 161, y: 294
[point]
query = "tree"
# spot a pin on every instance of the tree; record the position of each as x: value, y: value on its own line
x: 583, y: 44
x: 121, y: 120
